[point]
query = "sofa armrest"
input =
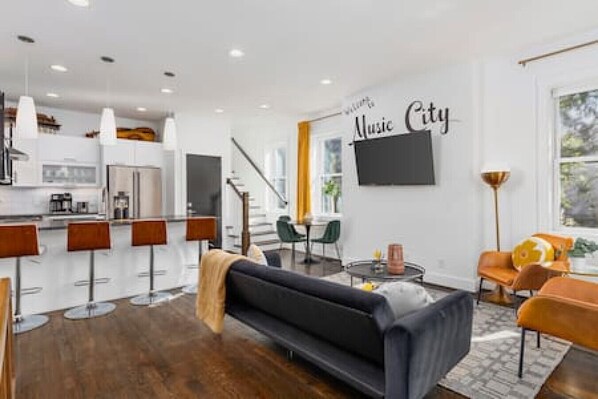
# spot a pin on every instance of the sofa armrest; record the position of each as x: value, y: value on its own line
x: 420, y: 348
x: 565, y: 318
x: 273, y: 258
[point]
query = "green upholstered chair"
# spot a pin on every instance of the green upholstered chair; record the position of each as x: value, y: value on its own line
x: 330, y: 236
x: 287, y: 235
x: 287, y: 218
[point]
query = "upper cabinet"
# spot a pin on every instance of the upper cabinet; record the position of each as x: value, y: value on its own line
x: 133, y: 153
x: 68, y: 150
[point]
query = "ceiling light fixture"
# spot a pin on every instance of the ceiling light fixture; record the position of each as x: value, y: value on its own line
x: 107, y: 121
x: 58, y: 68
x: 141, y: 109
x: 26, y: 123
x: 169, y: 74
x: 326, y: 82
x: 167, y: 91
x: 236, y: 53
x: 265, y: 106
x: 52, y: 95
x: 169, y: 141
x: 219, y: 110
x: 79, y: 3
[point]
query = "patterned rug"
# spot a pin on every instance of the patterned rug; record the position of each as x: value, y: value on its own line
x: 490, y: 369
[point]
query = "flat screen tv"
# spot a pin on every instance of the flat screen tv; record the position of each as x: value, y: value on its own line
x: 402, y: 160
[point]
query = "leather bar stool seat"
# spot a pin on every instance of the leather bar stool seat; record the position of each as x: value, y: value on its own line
x: 16, y: 242
x: 199, y: 229
x: 89, y: 236
x: 150, y: 233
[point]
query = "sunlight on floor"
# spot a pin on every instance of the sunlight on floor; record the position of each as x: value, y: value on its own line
x: 505, y: 334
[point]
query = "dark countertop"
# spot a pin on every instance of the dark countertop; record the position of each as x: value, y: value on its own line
x: 48, y: 224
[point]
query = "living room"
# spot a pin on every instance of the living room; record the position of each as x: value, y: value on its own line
x: 421, y: 189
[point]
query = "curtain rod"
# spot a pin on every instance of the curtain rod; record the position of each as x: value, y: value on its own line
x: 321, y: 118
x: 524, y: 62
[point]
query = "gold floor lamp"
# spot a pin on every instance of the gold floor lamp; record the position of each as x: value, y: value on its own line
x: 495, y: 177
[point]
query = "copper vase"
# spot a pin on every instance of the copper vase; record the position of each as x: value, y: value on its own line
x: 396, y: 265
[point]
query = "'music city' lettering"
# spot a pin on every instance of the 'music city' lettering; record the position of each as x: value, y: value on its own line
x: 426, y: 116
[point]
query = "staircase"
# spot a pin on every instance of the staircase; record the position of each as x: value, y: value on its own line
x: 262, y: 232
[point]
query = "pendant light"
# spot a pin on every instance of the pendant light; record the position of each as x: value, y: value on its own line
x: 26, y: 122
x: 107, y: 120
x: 169, y: 140
x: 169, y: 136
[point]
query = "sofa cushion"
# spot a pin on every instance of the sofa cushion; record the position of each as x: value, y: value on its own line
x: 348, y: 318
x: 405, y: 298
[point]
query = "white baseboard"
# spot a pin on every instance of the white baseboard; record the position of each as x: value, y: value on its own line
x: 451, y: 281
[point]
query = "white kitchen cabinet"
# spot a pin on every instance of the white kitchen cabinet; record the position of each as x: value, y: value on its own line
x: 122, y: 154
x: 68, y: 150
x: 26, y: 173
x: 149, y: 154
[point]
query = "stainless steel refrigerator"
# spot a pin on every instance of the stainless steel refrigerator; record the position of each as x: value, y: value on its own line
x: 142, y: 186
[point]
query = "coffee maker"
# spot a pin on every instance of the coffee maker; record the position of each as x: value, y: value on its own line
x: 61, y: 203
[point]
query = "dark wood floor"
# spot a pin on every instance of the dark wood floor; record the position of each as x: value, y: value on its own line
x: 163, y: 352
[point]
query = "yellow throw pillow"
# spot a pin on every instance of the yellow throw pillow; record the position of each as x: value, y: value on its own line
x: 256, y: 254
x: 532, y: 250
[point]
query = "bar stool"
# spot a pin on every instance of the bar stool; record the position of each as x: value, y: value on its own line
x: 199, y: 229
x: 89, y: 236
x: 149, y: 233
x: 15, y: 242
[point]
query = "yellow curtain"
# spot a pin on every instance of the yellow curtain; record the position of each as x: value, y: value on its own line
x: 303, y: 183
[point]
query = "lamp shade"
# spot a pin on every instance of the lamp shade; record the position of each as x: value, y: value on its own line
x: 169, y: 140
x: 26, y: 126
x: 107, y: 127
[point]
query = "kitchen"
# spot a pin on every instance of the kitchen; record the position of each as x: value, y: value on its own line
x: 62, y: 176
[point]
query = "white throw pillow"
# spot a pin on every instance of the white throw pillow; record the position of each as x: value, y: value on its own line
x: 404, y: 298
x: 257, y: 255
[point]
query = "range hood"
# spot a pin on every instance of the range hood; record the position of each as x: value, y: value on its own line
x: 16, y: 155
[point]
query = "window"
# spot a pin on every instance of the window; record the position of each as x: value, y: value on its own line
x: 327, y: 193
x: 276, y: 172
x: 576, y: 159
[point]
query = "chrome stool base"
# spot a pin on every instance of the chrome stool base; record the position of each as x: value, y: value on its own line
x: 89, y: 311
x: 27, y: 323
x: 190, y: 289
x: 151, y: 298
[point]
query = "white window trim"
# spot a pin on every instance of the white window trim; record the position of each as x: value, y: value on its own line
x: 268, y: 195
x: 555, y: 160
x: 316, y: 189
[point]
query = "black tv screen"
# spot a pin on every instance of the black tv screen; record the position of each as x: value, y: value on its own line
x: 404, y: 159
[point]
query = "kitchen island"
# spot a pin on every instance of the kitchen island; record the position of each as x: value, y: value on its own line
x: 56, y: 270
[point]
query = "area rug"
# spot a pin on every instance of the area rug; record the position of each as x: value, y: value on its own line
x: 490, y: 368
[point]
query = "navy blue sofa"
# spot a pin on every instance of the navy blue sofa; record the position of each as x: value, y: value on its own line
x: 352, y: 334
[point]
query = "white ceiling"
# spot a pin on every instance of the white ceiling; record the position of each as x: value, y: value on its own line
x: 290, y: 46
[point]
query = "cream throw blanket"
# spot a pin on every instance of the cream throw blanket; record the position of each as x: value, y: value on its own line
x: 211, y: 295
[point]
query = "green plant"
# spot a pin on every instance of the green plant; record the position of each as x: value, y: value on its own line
x: 332, y: 189
x: 583, y: 247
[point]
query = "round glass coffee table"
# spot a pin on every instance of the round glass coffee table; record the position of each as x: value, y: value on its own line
x: 364, y: 270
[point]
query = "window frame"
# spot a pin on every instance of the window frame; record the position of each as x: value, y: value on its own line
x: 317, y: 159
x: 557, y: 160
x: 271, y: 200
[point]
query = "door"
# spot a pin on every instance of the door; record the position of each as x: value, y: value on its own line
x: 204, y: 188
x: 121, y: 178
x: 149, y: 195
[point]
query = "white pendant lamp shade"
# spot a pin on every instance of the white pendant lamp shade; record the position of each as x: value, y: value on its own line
x: 108, y: 127
x: 26, y: 119
x: 169, y: 139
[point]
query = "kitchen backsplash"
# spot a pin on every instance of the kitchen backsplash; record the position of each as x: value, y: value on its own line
x: 29, y: 201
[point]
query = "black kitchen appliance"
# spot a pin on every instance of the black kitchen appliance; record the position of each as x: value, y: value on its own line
x: 61, y: 203
x: 5, y: 164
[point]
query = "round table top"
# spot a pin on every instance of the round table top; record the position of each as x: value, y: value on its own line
x: 363, y: 269
x: 567, y: 267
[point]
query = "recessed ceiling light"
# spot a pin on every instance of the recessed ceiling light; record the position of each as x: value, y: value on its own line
x: 167, y: 91
x: 79, y: 3
x: 58, y: 68
x: 265, y: 106
x: 219, y: 110
x: 26, y: 39
x: 53, y: 95
x: 326, y: 82
x: 236, y: 53
x: 169, y: 74
x: 141, y: 109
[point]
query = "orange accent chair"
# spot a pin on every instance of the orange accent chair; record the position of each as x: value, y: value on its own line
x: 498, y: 268
x: 565, y: 308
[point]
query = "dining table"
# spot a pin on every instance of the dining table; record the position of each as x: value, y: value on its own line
x: 309, y: 259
